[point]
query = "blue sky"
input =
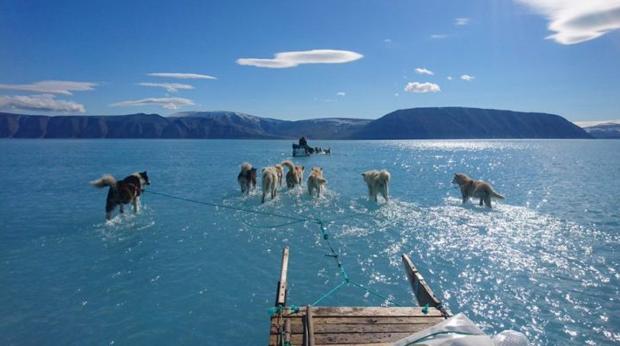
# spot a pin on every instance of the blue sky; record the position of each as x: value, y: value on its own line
x: 556, y: 56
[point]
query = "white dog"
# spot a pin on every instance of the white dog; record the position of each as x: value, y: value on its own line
x: 377, y: 182
x: 316, y: 181
x: 270, y: 182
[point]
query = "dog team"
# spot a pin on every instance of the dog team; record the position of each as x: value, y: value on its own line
x: 129, y: 189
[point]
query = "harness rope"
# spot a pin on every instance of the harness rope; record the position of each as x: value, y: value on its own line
x: 346, y: 280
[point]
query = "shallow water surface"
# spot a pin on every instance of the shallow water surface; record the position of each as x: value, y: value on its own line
x: 544, y: 261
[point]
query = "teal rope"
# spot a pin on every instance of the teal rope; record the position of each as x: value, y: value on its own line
x: 294, y: 220
x: 217, y: 205
x: 329, y: 293
x: 272, y: 226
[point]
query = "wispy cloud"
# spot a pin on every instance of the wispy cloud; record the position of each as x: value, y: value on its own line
x: 176, y: 75
x: 341, y: 94
x: 51, y: 87
x: 576, y: 21
x: 467, y: 77
x: 170, y: 87
x: 449, y: 78
x: 461, y: 21
x: 387, y: 40
x: 293, y: 59
x: 422, y: 70
x: 43, y: 102
x: 165, y: 102
x: 438, y: 36
x: 421, y: 88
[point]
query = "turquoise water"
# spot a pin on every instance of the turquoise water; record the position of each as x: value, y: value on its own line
x: 544, y: 261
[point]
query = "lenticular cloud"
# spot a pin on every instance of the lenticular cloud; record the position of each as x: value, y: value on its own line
x: 296, y: 58
x: 576, y: 21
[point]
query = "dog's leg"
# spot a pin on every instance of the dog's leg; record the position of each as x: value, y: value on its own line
x: 481, y: 200
x: 109, y: 208
x: 121, y: 209
x: 136, y: 205
x: 487, y: 201
x: 384, y: 193
x: 263, y: 200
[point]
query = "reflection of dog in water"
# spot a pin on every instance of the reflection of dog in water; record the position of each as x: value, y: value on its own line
x: 316, y: 181
x: 122, y: 192
x: 476, y: 189
x: 247, y: 178
x: 377, y: 182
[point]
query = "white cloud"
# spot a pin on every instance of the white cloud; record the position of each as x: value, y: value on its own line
x: 438, y: 36
x: 165, y: 102
x: 461, y: 21
x: 341, y: 93
x: 422, y: 70
x: 43, y: 102
x: 170, y: 87
x: 176, y: 75
x: 415, y: 87
x: 449, y: 77
x: 576, y: 21
x: 467, y: 77
x: 292, y: 59
x: 51, y: 87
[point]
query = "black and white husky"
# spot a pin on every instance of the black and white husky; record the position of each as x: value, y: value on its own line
x: 122, y: 192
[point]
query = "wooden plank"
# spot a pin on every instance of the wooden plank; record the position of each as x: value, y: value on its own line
x: 298, y: 328
x: 282, y: 284
x: 368, y: 311
x: 351, y: 338
x: 373, y: 344
x: 309, y: 326
x: 371, y: 320
x: 287, y: 330
x: 421, y: 289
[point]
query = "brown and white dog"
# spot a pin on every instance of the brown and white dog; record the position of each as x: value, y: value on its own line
x: 476, y: 189
x: 122, y: 192
x: 247, y: 178
x: 270, y: 182
x: 316, y: 181
x: 295, y: 174
x: 377, y: 182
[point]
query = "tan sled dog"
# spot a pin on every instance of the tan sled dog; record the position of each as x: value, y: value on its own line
x: 295, y: 174
x: 270, y: 181
x: 476, y: 189
x: 316, y: 181
x: 377, y: 182
x: 280, y: 171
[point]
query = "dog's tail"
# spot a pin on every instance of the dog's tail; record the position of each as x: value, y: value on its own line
x: 288, y: 164
x: 246, y: 166
x: 496, y: 195
x: 106, y: 180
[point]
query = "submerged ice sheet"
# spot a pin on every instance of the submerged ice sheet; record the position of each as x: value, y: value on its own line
x: 543, y: 262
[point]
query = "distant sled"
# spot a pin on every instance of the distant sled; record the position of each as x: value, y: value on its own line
x: 303, y: 149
